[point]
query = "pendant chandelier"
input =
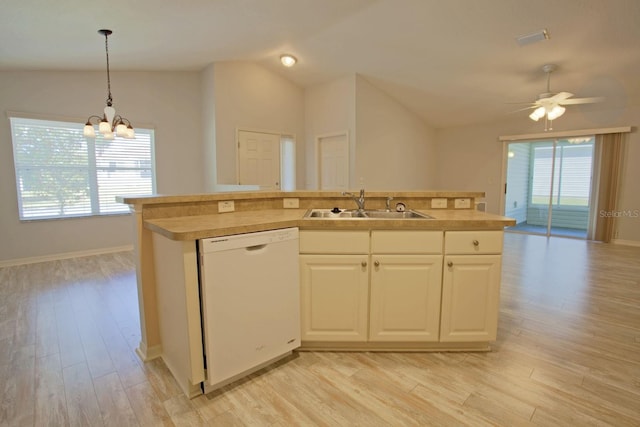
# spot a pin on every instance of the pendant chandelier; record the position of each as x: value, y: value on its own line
x: 109, y: 124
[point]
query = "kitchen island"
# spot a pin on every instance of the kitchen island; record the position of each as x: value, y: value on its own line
x: 459, y: 238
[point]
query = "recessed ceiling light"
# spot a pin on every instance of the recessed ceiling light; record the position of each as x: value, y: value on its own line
x: 533, y: 37
x: 288, y: 60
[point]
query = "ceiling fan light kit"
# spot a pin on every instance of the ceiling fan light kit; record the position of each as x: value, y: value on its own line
x: 555, y: 112
x: 537, y: 114
x: 552, y: 111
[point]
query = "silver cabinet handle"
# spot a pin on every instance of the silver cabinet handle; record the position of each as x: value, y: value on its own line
x: 476, y: 243
x: 364, y: 263
x: 377, y: 263
x: 450, y: 264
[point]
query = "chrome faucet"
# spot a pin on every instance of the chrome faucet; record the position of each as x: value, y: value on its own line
x: 359, y: 200
x: 388, y: 204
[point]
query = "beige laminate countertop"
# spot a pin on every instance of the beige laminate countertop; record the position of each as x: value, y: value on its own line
x: 203, y: 226
x: 159, y: 199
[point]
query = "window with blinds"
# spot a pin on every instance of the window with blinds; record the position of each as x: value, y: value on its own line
x: 61, y: 174
x: 571, y: 171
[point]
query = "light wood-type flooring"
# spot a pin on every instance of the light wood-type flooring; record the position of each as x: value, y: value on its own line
x: 567, y: 354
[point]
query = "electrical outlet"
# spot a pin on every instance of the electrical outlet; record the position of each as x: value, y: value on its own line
x: 462, y: 203
x: 292, y: 203
x: 438, y: 203
x: 226, y: 206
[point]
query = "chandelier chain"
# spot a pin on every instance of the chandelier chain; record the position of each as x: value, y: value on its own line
x: 106, y: 48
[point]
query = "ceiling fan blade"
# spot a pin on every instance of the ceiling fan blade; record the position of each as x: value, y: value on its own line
x: 523, y: 109
x: 581, y: 100
x: 523, y: 105
x: 560, y: 97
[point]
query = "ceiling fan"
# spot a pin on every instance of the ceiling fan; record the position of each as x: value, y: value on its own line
x: 551, y: 105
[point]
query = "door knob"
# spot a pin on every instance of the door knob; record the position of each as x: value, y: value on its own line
x: 377, y: 263
x: 364, y: 263
x: 450, y: 264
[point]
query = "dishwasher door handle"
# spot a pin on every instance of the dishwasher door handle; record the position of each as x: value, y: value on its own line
x: 256, y: 247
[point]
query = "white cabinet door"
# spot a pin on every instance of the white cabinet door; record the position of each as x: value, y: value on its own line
x: 405, y: 297
x: 470, y: 298
x: 334, y: 297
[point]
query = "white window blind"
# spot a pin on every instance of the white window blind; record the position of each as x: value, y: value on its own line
x: 572, y: 176
x: 60, y: 173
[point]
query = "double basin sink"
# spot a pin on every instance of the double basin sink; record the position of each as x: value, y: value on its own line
x: 364, y: 214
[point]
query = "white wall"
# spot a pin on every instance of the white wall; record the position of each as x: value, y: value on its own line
x: 470, y: 157
x: 209, y: 161
x: 251, y: 97
x: 395, y: 149
x: 329, y: 108
x: 168, y: 101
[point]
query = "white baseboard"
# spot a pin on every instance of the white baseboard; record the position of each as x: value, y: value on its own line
x: 66, y: 255
x: 625, y: 242
x: 148, y: 353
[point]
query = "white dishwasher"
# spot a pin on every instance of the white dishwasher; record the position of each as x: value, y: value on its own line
x: 250, y: 298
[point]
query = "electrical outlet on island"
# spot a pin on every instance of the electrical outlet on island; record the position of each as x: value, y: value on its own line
x: 226, y: 206
x: 440, y: 203
x: 462, y: 203
x: 291, y: 203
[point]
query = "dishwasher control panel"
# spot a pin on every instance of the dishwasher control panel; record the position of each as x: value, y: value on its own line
x: 247, y: 240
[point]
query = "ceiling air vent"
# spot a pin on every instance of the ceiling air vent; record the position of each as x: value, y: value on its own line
x: 533, y: 37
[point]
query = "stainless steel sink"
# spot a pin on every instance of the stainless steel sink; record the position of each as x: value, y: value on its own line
x: 397, y: 215
x: 326, y: 213
x: 365, y: 214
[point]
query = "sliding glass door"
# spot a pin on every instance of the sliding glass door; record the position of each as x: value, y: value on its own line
x: 548, y: 186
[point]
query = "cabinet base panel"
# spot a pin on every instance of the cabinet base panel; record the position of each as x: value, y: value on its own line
x: 393, y: 346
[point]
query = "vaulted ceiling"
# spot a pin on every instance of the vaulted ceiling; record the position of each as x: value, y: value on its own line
x: 453, y: 62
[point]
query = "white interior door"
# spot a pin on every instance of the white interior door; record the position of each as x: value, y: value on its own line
x: 333, y: 162
x: 259, y: 159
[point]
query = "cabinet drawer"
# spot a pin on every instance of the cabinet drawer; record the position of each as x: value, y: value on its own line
x: 406, y: 242
x: 334, y: 242
x: 473, y: 242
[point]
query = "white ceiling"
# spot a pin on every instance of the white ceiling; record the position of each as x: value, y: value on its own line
x: 453, y: 62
